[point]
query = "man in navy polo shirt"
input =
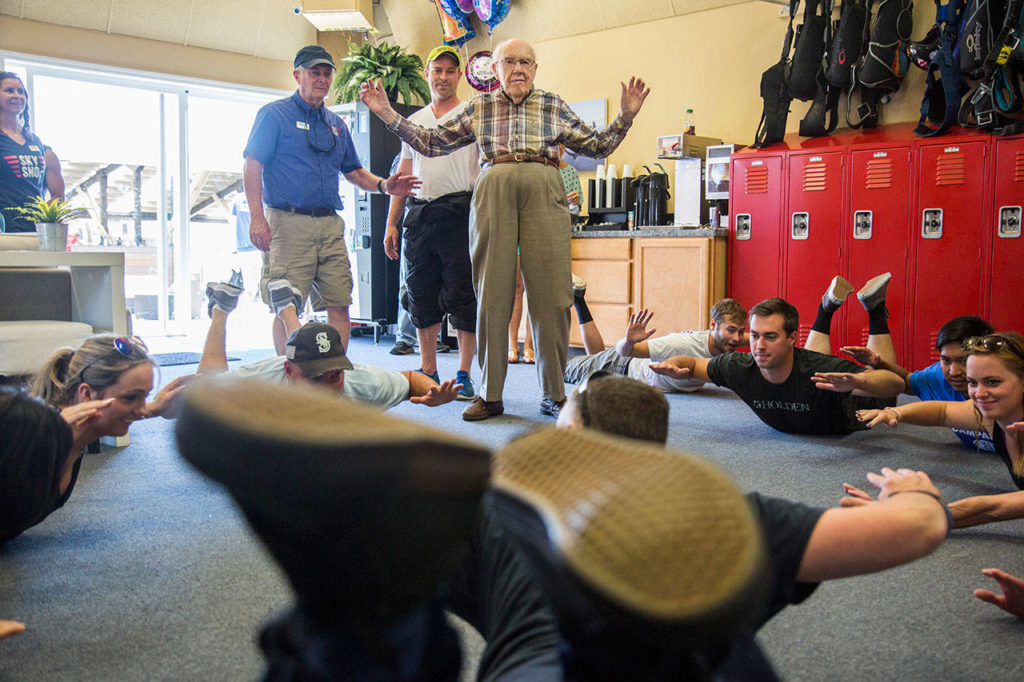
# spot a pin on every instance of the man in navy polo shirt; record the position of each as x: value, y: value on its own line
x: 295, y: 151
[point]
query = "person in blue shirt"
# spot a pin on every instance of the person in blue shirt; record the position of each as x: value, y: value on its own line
x: 296, y: 149
x: 942, y: 380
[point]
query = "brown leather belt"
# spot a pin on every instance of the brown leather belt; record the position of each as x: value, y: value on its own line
x: 521, y: 158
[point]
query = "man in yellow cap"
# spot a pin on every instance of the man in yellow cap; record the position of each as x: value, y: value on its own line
x: 439, y: 276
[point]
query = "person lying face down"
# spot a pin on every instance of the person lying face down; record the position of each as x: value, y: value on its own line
x: 345, y: 497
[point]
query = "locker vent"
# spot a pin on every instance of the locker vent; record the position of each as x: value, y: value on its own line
x: 879, y: 174
x: 951, y: 169
x: 814, y: 177
x: 1018, y: 166
x: 933, y: 352
x: 757, y: 180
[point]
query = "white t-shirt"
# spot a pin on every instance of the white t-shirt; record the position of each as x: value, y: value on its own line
x: 440, y: 175
x: 364, y: 383
x: 692, y: 344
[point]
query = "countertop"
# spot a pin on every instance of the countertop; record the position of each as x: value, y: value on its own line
x: 704, y: 231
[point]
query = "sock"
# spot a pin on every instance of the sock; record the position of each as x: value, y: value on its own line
x: 582, y: 311
x: 878, y: 320
x: 823, y: 322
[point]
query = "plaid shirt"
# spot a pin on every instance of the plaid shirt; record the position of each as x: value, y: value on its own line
x: 534, y: 126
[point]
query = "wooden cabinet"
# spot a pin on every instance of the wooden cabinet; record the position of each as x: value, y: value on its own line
x: 679, y: 278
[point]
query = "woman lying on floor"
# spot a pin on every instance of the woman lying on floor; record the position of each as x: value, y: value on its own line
x: 98, y: 390
x: 995, y: 385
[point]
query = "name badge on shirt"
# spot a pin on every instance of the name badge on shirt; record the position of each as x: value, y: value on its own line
x: 335, y: 130
x: 302, y: 125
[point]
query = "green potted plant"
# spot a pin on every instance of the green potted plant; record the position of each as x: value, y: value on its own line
x: 51, y: 219
x: 400, y: 73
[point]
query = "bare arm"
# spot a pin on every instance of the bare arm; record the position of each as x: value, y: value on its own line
x: 873, y: 537
x: 252, y: 181
x: 398, y: 184
x: 875, y: 383
x: 683, y: 367
x: 54, y: 175
x: 958, y: 415
x: 395, y: 211
x: 425, y: 391
x: 866, y: 356
x: 974, y: 511
x: 634, y: 343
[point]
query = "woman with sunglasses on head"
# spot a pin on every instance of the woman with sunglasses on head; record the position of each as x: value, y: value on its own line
x: 30, y: 168
x: 100, y: 388
x: 995, y: 385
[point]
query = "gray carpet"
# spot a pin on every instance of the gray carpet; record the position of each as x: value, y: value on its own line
x: 149, y: 574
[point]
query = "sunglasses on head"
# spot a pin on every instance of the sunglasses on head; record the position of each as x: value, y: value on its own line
x: 123, y: 345
x: 991, y: 344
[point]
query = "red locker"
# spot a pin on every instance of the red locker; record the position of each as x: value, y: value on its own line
x: 875, y: 237
x: 949, y: 217
x: 755, y: 207
x: 812, y: 230
x: 1006, y: 304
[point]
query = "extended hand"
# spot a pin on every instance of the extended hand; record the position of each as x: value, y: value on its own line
x: 633, y: 96
x: 671, y: 368
x: 9, y: 628
x: 402, y: 185
x: 1016, y: 426
x: 901, y: 480
x: 840, y: 382
x: 80, y: 414
x: 374, y: 96
x: 167, y: 403
x: 636, y: 329
x: 887, y: 416
x: 391, y: 242
x: 573, y: 198
x: 855, y: 497
x: 259, y: 232
x: 442, y: 393
x: 1012, y: 599
x: 862, y: 354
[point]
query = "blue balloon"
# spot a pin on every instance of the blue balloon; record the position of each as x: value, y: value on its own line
x: 492, y: 12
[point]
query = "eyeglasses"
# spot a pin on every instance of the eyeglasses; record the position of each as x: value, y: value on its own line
x: 990, y: 343
x: 123, y: 345
x: 511, y: 63
x: 310, y: 138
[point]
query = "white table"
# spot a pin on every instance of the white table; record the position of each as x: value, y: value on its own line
x: 97, y: 283
x: 97, y: 289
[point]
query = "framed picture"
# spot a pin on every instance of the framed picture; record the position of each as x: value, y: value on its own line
x: 593, y: 113
x: 670, y: 146
x: 717, y: 171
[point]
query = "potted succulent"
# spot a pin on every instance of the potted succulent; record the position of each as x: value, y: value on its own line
x: 51, y: 219
x: 400, y: 73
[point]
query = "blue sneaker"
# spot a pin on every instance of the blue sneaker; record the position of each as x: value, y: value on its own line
x: 466, y: 392
x: 433, y: 376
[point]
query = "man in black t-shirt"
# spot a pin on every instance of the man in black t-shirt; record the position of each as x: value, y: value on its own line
x: 791, y: 389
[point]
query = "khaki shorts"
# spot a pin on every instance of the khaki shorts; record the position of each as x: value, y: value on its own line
x: 311, y: 254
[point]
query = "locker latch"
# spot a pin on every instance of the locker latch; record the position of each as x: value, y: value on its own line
x: 742, y: 226
x: 1009, y: 222
x: 801, y: 226
x: 931, y: 223
x: 862, y: 225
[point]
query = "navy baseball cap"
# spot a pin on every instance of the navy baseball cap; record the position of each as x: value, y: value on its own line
x: 317, y: 349
x: 311, y: 55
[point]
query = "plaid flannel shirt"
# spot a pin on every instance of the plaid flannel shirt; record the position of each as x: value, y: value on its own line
x: 534, y: 126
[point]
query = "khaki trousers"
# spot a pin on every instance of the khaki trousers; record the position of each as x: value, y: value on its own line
x: 521, y: 205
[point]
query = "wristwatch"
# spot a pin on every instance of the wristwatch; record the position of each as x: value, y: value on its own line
x: 380, y: 186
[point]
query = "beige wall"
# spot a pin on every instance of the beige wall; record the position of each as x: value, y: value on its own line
x: 95, y: 47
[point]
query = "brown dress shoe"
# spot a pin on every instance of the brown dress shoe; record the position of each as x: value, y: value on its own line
x: 481, y: 409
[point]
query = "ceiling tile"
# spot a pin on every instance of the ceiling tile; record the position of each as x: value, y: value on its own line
x: 231, y: 25
x: 165, y: 20
x: 626, y: 12
x: 283, y: 32
x: 90, y: 14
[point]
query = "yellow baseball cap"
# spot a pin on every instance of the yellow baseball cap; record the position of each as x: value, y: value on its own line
x: 445, y: 49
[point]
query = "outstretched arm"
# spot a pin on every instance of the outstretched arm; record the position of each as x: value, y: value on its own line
x: 907, y: 523
x: 1012, y: 599
x: 399, y: 184
x: 375, y: 97
x: 633, y: 96
x: 974, y: 511
x: 866, y: 356
x: 683, y: 367
x: 634, y: 343
x: 424, y: 391
x: 924, y: 413
x: 877, y: 383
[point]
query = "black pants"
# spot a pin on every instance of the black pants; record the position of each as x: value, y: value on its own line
x: 439, y: 278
